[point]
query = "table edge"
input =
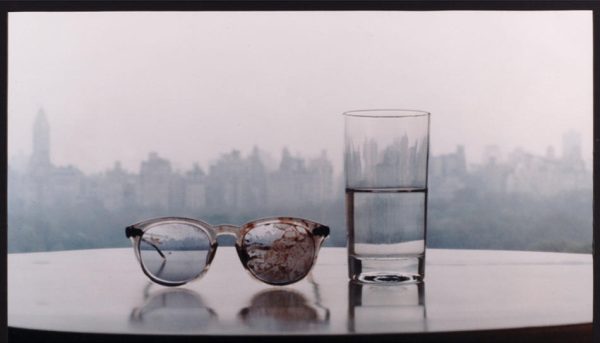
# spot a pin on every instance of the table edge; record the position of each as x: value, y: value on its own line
x: 558, y: 333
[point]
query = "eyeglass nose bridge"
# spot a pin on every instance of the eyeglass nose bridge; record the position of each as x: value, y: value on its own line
x: 227, y: 230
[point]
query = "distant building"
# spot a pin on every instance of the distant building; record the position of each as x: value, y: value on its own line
x: 37, y: 188
x: 571, y: 144
x: 225, y: 182
x: 155, y: 182
x: 254, y: 192
x: 66, y: 185
x: 195, y: 188
x: 119, y: 189
x: 286, y: 186
x: 320, y: 183
x: 40, y: 157
x: 448, y: 173
x: 549, y: 175
x: 492, y: 155
x: 39, y: 182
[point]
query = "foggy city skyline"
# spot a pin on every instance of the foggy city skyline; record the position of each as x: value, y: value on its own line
x: 571, y: 143
x: 538, y: 194
x: 194, y: 86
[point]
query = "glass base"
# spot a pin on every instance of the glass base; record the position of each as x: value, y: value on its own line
x: 406, y: 269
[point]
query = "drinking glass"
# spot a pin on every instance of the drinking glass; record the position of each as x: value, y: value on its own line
x: 386, y: 157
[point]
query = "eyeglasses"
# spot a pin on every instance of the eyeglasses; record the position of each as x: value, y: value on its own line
x: 173, y: 251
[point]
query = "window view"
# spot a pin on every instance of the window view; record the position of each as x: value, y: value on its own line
x: 232, y: 116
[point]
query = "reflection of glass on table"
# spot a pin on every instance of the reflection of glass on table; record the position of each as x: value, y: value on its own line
x: 376, y: 307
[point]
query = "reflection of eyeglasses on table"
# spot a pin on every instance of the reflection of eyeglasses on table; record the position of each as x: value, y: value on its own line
x: 173, y: 251
x: 180, y: 308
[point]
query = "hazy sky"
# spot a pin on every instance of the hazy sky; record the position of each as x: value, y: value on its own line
x: 191, y: 86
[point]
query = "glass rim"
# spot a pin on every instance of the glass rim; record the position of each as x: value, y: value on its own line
x: 386, y: 113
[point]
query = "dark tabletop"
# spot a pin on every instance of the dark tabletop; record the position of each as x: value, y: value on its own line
x: 104, y: 291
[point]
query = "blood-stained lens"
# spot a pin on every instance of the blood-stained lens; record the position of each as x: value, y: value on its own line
x: 279, y: 253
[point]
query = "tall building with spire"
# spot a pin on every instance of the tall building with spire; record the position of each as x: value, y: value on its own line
x: 37, y: 186
x: 40, y: 156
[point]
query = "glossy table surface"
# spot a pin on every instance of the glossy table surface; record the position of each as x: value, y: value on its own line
x: 105, y: 291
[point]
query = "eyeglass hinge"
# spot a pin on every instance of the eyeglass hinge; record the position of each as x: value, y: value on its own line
x: 321, y: 231
x: 131, y: 231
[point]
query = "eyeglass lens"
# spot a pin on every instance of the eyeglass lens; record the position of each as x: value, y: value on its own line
x: 174, y: 252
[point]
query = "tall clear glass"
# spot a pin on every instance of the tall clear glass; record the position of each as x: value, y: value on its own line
x: 386, y: 158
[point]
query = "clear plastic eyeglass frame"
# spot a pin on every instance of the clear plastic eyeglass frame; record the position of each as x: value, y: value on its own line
x: 173, y: 251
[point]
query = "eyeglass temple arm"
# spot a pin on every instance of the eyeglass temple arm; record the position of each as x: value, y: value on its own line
x: 131, y: 231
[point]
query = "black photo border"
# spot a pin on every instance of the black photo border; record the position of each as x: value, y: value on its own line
x: 569, y: 333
